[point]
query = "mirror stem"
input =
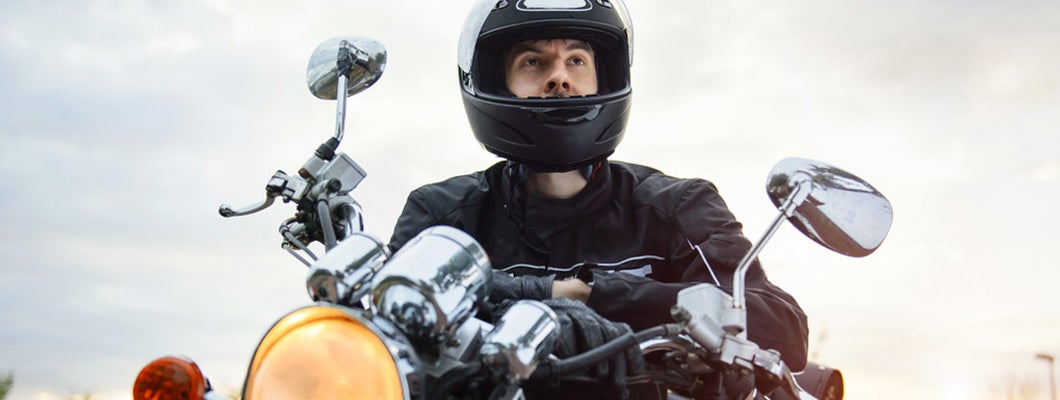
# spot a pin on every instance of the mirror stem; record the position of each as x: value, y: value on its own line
x: 745, y: 264
x: 327, y: 150
x: 340, y: 113
x: 344, y: 62
x: 797, y: 196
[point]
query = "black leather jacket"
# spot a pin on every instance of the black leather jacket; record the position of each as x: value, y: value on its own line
x: 654, y: 230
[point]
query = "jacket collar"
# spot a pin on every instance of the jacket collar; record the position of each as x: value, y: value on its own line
x: 545, y: 217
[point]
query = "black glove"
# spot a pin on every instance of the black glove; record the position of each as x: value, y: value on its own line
x: 582, y: 329
x: 508, y: 287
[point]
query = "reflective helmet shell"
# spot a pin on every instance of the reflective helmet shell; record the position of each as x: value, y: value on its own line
x: 546, y: 134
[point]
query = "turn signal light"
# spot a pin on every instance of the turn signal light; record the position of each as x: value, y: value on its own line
x: 170, y: 378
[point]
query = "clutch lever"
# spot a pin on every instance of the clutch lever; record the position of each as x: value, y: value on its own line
x: 227, y: 211
x: 290, y: 187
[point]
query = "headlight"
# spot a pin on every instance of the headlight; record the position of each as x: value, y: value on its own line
x: 330, y: 353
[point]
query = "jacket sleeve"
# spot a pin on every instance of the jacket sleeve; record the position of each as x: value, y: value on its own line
x: 774, y: 319
x: 417, y: 216
x: 706, y: 246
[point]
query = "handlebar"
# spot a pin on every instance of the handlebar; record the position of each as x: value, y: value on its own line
x: 550, y: 370
x: 766, y: 364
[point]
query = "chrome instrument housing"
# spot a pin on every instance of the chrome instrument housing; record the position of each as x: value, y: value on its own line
x: 343, y: 275
x: 523, y: 337
x: 432, y: 285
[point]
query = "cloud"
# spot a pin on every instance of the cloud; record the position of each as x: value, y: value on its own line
x: 125, y: 125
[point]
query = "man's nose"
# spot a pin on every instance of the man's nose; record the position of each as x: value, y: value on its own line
x: 558, y: 80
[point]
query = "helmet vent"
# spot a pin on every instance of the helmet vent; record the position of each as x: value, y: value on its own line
x: 554, y: 5
x: 566, y: 115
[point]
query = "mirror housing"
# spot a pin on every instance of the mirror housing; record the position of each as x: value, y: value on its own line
x: 831, y: 206
x: 840, y: 211
x: 361, y: 60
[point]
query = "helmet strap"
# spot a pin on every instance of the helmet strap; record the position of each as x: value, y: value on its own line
x: 589, y: 171
x: 520, y: 171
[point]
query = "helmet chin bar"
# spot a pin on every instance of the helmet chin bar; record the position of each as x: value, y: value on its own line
x: 536, y: 167
x: 549, y: 135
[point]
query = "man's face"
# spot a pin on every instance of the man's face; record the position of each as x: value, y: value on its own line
x: 550, y: 68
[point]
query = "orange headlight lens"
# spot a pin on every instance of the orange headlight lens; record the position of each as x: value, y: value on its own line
x: 322, y: 353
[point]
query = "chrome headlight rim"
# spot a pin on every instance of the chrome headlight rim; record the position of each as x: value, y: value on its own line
x: 401, y: 352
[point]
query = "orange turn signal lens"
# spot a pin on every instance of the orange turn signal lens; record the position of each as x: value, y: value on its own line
x: 322, y: 353
x: 170, y: 378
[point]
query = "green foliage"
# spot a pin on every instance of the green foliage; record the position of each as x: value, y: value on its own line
x: 6, y: 382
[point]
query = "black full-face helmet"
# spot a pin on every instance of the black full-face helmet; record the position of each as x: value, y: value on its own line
x: 546, y: 134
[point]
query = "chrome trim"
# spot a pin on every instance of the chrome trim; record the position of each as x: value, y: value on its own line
x: 524, y: 336
x: 461, y: 347
x: 676, y: 343
x: 343, y: 274
x: 403, y: 353
x: 704, y: 308
x: 408, y: 364
x: 430, y: 286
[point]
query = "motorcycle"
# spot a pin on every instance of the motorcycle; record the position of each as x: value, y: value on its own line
x: 404, y: 325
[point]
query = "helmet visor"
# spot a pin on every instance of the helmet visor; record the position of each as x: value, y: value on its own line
x: 491, y: 31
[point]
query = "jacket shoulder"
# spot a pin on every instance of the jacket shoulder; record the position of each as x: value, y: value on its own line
x: 653, y: 187
x: 443, y: 198
x: 455, y: 202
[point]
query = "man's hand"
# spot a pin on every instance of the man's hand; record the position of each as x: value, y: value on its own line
x: 582, y: 329
x: 574, y: 289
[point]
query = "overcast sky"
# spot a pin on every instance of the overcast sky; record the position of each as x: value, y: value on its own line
x: 124, y: 124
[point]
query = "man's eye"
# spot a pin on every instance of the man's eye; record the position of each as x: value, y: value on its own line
x: 577, y: 61
x: 530, y: 62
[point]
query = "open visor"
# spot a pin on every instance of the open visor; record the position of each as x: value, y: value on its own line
x: 491, y: 30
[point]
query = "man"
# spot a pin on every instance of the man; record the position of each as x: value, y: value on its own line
x: 548, y: 88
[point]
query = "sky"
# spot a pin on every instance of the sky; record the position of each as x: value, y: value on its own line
x: 124, y: 124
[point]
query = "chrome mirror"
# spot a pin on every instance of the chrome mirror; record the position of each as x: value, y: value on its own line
x: 831, y: 206
x: 360, y: 60
x: 834, y: 208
